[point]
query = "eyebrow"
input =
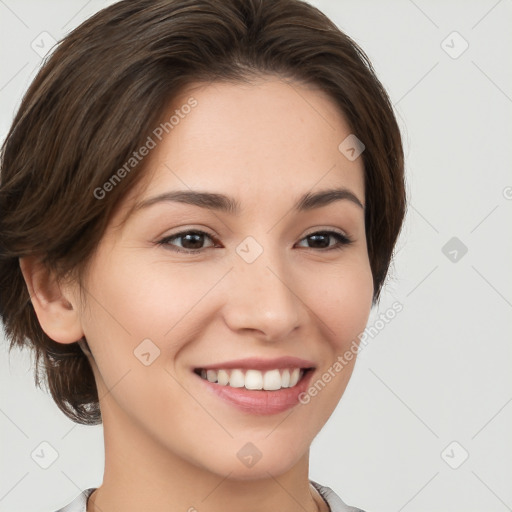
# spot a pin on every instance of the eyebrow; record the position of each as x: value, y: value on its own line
x: 223, y: 203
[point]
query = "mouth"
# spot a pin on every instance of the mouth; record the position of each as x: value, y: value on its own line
x: 255, y: 385
x: 255, y: 380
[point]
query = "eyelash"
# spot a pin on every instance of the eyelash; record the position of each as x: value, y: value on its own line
x: 342, y: 241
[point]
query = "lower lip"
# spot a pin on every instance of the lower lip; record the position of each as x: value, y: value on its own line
x: 260, y: 401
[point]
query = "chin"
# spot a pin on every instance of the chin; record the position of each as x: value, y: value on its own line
x: 256, y: 461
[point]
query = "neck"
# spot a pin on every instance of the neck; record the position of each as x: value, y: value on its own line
x: 148, y: 476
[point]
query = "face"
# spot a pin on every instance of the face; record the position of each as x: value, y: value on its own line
x: 179, y: 287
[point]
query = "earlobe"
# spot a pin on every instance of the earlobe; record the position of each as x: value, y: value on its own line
x: 55, y: 308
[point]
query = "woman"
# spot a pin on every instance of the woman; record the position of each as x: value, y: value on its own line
x: 199, y: 203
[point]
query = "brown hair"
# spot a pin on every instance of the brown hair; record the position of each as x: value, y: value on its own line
x: 103, y: 90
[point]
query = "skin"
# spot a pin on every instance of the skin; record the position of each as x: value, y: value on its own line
x: 169, y: 445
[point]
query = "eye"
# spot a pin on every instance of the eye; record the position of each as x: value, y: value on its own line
x: 191, y: 241
x: 321, y: 240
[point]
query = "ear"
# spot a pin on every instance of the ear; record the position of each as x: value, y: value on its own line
x: 55, y: 307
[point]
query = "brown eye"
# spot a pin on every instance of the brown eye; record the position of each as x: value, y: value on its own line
x: 191, y: 241
x: 322, y: 239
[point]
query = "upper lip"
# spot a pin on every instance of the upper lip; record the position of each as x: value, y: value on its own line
x: 257, y: 363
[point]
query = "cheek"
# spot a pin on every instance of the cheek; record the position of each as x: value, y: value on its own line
x: 148, y: 299
x: 145, y: 307
x: 343, y: 301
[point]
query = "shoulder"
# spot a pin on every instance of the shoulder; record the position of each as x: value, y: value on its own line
x: 336, y: 504
x: 79, y: 504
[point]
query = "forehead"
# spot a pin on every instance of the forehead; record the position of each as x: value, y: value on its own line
x: 265, y: 141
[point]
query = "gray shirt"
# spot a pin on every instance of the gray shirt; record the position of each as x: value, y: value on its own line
x: 79, y: 504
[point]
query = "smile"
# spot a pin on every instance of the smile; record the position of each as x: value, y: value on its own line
x: 270, y: 380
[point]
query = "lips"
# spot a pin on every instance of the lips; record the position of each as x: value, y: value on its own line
x: 258, y: 401
x: 256, y: 385
x: 257, y: 363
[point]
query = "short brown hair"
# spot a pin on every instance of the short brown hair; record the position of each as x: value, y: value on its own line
x: 103, y: 90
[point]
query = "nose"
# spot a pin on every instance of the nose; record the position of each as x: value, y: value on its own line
x: 261, y: 299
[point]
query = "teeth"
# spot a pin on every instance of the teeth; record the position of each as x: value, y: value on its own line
x: 253, y: 379
x: 294, y: 377
x: 270, y: 380
x: 222, y: 377
x: 237, y: 379
x: 285, y: 379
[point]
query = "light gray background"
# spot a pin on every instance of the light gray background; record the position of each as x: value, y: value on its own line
x: 440, y: 371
